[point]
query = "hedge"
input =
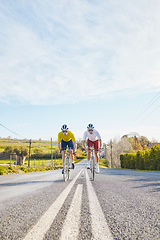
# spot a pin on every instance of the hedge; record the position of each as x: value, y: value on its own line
x: 142, y: 160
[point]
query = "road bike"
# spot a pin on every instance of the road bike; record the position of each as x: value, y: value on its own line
x: 66, y: 165
x: 93, y: 162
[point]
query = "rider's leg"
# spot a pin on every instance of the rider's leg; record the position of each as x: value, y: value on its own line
x: 71, y: 154
x: 63, y: 157
x: 96, y: 147
x: 71, y: 147
x: 97, y: 161
x: 72, y: 158
x: 89, y: 145
x: 96, y: 156
x: 88, y: 154
x: 63, y: 149
x: 88, y: 158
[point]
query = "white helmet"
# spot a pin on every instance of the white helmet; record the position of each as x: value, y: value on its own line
x: 64, y: 127
x: 90, y: 126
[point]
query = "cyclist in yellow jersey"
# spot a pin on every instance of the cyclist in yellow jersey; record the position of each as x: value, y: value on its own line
x: 66, y: 138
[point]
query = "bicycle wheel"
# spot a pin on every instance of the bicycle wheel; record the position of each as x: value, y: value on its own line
x: 64, y: 173
x: 65, y: 170
x: 68, y: 171
x: 93, y: 167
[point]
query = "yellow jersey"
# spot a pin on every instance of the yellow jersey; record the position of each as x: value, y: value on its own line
x: 67, y: 137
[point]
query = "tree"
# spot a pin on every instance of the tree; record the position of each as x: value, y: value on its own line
x: 154, y: 142
x: 8, y: 150
x: 113, y: 152
x: 118, y: 148
x: 38, y: 152
x: 145, y: 143
x: 136, y: 144
x: 21, y: 153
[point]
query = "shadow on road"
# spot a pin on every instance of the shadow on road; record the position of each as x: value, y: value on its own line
x: 28, y: 182
x: 150, y: 180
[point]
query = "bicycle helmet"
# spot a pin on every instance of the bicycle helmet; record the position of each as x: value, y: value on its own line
x: 90, y: 126
x: 64, y: 127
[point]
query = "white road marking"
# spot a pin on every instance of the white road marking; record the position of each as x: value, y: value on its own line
x: 44, y: 223
x: 71, y: 225
x: 100, y: 229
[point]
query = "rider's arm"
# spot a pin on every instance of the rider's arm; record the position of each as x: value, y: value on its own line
x: 99, y: 139
x: 74, y: 142
x: 59, y: 140
x: 100, y: 143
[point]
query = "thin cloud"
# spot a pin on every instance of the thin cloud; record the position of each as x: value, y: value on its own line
x: 55, y: 52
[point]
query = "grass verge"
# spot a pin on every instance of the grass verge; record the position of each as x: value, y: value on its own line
x: 102, y: 163
x: 40, y: 165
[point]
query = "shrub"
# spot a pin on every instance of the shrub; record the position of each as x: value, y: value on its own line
x: 140, y: 156
x: 143, y: 160
x: 147, y: 161
x: 8, y: 150
x: 2, y: 170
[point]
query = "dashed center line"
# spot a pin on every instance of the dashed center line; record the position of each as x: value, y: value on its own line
x: 70, y: 229
x: 100, y: 229
x: 71, y: 225
x: 44, y: 223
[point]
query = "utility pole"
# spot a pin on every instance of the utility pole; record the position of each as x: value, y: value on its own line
x: 51, y: 153
x: 30, y: 142
x: 111, y: 153
x: 105, y: 154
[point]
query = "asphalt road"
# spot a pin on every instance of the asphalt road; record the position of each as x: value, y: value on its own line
x: 119, y: 204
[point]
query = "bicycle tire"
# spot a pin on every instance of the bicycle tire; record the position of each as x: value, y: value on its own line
x: 92, y: 167
x: 64, y: 174
x: 68, y: 171
x: 65, y: 170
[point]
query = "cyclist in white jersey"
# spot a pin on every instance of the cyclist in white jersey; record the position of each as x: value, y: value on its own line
x: 92, y: 138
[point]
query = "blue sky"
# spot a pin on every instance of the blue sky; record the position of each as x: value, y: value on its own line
x: 80, y: 61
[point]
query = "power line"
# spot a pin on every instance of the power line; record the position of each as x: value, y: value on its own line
x: 148, y: 106
x: 151, y: 112
x: 11, y: 130
x: 155, y: 98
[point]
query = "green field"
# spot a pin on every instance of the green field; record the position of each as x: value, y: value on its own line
x: 36, y: 162
x: 45, y: 146
x: 37, y: 149
x: 38, y: 165
x: 40, y: 156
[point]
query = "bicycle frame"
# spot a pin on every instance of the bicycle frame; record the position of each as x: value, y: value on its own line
x: 92, y: 163
x: 66, y: 165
